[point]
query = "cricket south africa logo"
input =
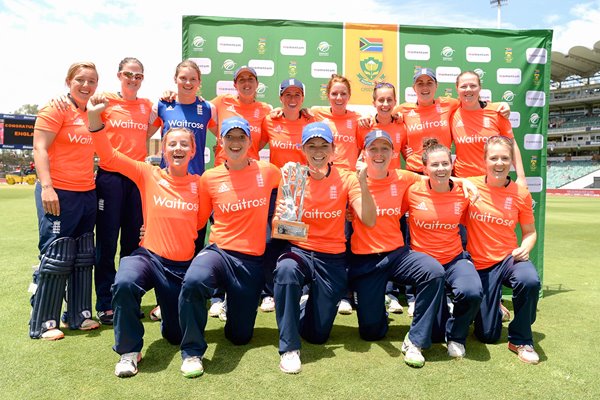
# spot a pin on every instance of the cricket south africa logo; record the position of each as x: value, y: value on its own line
x: 371, y: 60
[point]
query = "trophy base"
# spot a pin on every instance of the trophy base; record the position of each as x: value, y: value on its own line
x: 290, y: 230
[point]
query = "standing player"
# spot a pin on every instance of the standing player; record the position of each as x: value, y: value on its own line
x: 171, y: 213
x: 66, y: 208
x: 344, y: 122
x: 237, y: 192
x: 497, y: 256
x: 319, y: 262
x: 119, y: 211
x: 244, y: 104
x: 472, y: 124
x: 436, y: 207
x: 187, y: 110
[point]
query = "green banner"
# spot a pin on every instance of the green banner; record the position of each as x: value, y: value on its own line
x: 514, y: 66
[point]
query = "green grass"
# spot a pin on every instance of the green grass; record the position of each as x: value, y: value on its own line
x: 567, y: 334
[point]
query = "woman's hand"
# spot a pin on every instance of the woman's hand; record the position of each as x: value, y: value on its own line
x: 50, y: 201
x: 520, y: 254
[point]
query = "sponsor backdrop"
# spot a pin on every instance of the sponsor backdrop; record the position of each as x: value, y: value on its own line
x: 514, y: 67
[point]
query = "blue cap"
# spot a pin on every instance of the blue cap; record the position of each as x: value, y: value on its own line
x: 244, y: 68
x: 424, y: 71
x: 377, y: 134
x: 288, y: 83
x: 235, y: 122
x: 317, y: 130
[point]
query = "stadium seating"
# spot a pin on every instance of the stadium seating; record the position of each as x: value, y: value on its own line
x: 561, y: 173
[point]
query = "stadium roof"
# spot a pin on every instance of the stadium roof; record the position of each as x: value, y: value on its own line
x: 580, y: 61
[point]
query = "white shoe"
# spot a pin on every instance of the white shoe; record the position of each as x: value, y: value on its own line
x: 411, y: 309
x: 393, y: 305
x: 192, y: 367
x: 223, y: 313
x: 290, y: 362
x: 268, y: 304
x: 344, y: 308
x: 456, y: 350
x: 412, y: 354
x: 127, y: 365
x: 526, y: 353
x: 155, y: 314
x: 215, y: 309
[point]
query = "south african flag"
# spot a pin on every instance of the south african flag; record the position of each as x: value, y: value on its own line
x: 371, y: 44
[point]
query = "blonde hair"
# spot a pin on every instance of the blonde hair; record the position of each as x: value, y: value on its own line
x: 163, y: 141
x: 75, y: 67
x: 335, y: 78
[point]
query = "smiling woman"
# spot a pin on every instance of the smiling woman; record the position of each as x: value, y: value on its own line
x: 65, y: 202
x: 172, y: 221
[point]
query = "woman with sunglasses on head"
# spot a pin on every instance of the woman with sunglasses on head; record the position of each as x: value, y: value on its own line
x: 119, y: 212
x: 65, y: 200
x: 436, y: 208
x: 237, y: 192
x: 497, y: 255
x: 171, y: 213
x: 319, y: 262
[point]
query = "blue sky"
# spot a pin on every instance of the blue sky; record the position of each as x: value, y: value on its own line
x: 40, y: 39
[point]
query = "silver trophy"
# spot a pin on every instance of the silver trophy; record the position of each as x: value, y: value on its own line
x: 289, y: 225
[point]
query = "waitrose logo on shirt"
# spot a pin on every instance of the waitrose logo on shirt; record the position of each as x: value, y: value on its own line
x: 175, y: 204
x: 243, y: 204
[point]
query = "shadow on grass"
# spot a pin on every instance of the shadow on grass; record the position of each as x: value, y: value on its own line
x: 551, y: 290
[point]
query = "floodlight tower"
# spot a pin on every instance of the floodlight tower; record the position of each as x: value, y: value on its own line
x: 498, y: 4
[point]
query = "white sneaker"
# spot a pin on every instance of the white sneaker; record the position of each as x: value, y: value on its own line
x: 290, y: 362
x: 127, y: 365
x: 223, y: 313
x: 393, y: 305
x: 192, y: 367
x: 456, y: 350
x: 411, y: 309
x: 412, y: 354
x: 268, y: 304
x: 526, y: 353
x: 215, y: 309
x: 344, y: 308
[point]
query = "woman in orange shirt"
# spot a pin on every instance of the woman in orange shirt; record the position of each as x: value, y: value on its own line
x: 498, y: 257
x: 171, y: 213
x: 65, y: 199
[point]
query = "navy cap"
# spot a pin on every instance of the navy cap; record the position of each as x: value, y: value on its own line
x: 424, y: 71
x: 288, y: 83
x: 235, y: 122
x: 377, y: 134
x: 317, y: 130
x: 244, y: 68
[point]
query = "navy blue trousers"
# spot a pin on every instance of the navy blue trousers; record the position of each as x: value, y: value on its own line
x: 119, y: 210
x: 326, y: 279
x: 464, y: 288
x: 524, y: 281
x: 213, y: 270
x: 137, y: 274
x: 77, y: 216
x: 369, y: 275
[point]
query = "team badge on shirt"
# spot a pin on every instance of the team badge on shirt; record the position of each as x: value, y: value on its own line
x: 199, y: 110
x: 349, y: 123
x: 333, y: 192
x: 259, y: 180
x: 393, y: 190
x: 143, y: 109
x: 457, y: 208
x: 486, y: 122
x: 508, y: 203
x: 194, y: 188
